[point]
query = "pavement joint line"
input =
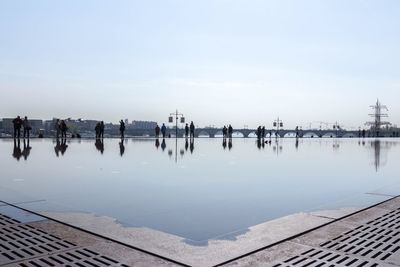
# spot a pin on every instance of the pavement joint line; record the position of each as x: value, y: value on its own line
x: 303, y: 233
x: 100, y: 236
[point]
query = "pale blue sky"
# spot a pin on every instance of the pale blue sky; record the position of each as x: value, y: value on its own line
x: 240, y: 62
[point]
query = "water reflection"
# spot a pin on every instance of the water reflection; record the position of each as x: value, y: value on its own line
x: 60, y: 147
x: 163, y: 145
x: 121, y: 147
x: 379, y: 147
x: 99, y: 144
x: 17, y: 149
x: 27, y: 149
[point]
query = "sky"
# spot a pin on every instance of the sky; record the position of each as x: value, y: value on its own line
x: 217, y: 62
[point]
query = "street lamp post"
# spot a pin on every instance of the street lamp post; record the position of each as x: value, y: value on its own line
x: 278, y: 124
x: 171, y: 119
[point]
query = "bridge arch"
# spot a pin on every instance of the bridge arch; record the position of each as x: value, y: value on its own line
x: 310, y: 135
x: 252, y: 135
x: 218, y: 134
x: 290, y: 135
x: 203, y: 133
x: 237, y: 134
x: 349, y: 135
x: 329, y: 135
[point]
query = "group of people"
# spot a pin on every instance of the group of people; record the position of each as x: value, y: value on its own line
x: 189, y: 130
x: 18, y: 124
x: 227, y: 131
x: 99, y: 129
x: 61, y: 128
x: 260, y: 132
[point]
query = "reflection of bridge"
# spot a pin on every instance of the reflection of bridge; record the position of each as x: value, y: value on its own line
x: 217, y: 132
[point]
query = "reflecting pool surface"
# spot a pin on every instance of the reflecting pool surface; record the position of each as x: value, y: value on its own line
x: 200, y: 190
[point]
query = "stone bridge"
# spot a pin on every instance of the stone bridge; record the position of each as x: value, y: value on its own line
x: 245, y: 133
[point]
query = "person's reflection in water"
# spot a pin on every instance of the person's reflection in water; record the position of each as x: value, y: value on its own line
x: 230, y: 143
x: 224, y: 143
x: 57, y: 148
x: 63, y: 146
x: 297, y: 143
x: 100, y: 145
x: 259, y: 143
x: 163, y: 145
x: 157, y: 143
x: 186, y: 144
x: 121, y: 148
x: 191, y: 145
x: 27, y: 150
x: 17, y: 149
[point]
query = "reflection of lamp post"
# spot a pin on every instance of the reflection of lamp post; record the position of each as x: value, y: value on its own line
x: 171, y: 120
x: 278, y: 124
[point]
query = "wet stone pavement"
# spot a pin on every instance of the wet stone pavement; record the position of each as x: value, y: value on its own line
x: 367, y: 238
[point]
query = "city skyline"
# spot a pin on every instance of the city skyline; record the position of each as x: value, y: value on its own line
x: 237, y: 62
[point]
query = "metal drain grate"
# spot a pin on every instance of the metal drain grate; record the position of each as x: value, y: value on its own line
x: 27, y: 246
x: 20, y: 241
x: 320, y: 257
x: 378, y: 239
x: 81, y: 257
x: 7, y: 221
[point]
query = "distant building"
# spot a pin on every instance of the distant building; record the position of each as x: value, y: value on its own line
x: 143, y: 124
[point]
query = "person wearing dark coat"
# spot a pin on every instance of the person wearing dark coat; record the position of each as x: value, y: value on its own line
x: 122, y: 128
x: 17, y: 127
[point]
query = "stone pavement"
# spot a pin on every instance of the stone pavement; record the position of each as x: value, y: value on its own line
x: 368, y: 238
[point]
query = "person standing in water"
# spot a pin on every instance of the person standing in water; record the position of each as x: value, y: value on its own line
x: 27, y: 127
x: 122, y: 129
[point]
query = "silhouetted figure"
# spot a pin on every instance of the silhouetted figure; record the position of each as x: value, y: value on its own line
x: 121, y: 148
x: 27, y: 127
x: 97, y: 130
x: 157, y: 130
x: 122, y: 129
x: 102, y: 129
x: 230, y: 143
x: 17, y: 149
x: 230, y: 131
x: 192, y: 128
x: 224, y: 143
x: 163, y: 145
x: 99, y: 144
x: 57, y: 128
x: 258, y: 132
x: 27, y: 149
x: 186, y: 130
x: 297, y: 131
x: 186, y: 144
x: 191, y: 145
x: 157, y: 143
x: 63, y: 129
x: 224, y: 132
x: 263, y: 132
x: 17, y: 122
x: 163, y: 130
